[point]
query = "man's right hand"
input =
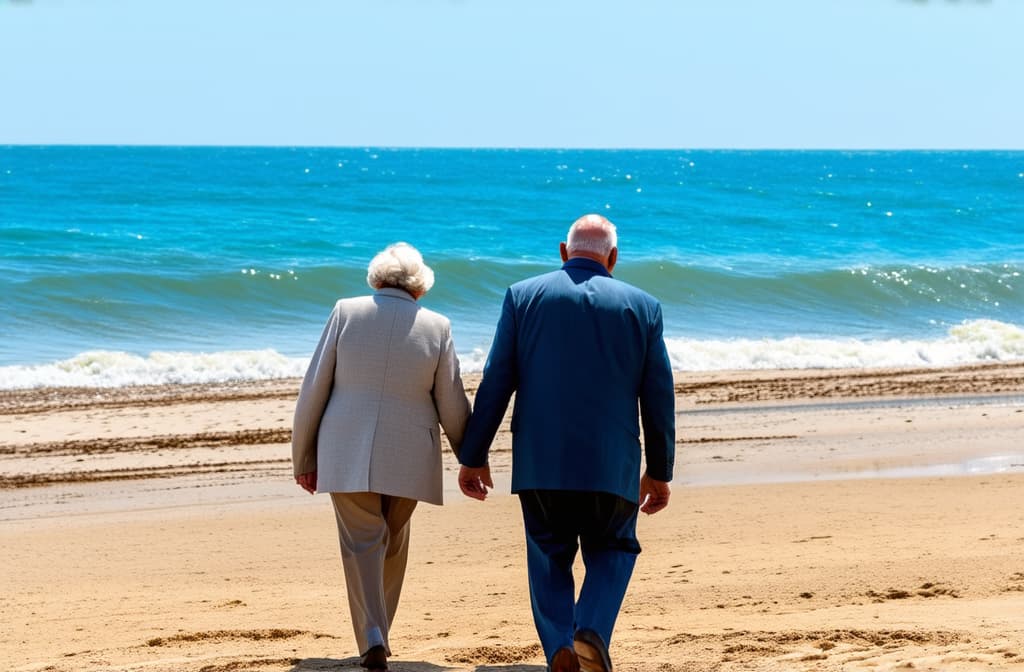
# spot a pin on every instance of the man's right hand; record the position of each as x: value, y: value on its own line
x: 653, y: 494
x: 475, y: 481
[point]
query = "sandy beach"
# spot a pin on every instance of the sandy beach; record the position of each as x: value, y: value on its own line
x: 820, y: 520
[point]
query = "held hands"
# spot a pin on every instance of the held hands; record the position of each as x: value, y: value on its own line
x: 653, y: 494
x: 307, y: 482
x: 475, y: 481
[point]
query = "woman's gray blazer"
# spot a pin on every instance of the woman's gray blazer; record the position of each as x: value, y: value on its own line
x: 383, y: 376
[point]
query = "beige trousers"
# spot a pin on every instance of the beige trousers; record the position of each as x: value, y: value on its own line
x: 373, y: 531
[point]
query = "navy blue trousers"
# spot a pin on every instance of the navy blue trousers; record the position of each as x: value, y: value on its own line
x: 558, y: 524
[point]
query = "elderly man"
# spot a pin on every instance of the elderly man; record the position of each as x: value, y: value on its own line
x: 580, y: 350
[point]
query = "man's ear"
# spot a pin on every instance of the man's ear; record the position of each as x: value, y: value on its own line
x: 565, y: 252
x: 613, y: 257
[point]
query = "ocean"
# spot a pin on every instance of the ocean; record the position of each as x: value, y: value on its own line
x: 142, y: 265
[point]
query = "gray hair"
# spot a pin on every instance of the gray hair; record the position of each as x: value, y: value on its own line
x: 592, y: 233
x: 400, y: 266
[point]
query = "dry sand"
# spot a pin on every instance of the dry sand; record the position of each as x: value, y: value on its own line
x: 829, y: 520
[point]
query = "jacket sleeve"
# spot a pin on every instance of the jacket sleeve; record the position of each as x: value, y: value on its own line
x: 658, y: 404
x: 450, y: 398
x: 313, y: 397
x: 500, y: 380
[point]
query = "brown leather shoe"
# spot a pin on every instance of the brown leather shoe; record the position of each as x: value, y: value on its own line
x: 564, y: 660
x: 592, y: 651
x: 376, y: 659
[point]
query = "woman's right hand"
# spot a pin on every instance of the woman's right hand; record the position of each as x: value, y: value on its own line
x: 307, y: 482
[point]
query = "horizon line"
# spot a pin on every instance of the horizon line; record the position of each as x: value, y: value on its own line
x: 386, y: 147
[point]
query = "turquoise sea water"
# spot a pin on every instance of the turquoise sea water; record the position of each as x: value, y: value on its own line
x: 157, y: 264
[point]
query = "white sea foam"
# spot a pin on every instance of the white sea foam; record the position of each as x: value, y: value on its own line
x: 967, y: 343
x: 104, y: 368
x: 971, y: 342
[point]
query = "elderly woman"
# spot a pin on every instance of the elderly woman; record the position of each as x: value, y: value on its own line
x: 383, y: 376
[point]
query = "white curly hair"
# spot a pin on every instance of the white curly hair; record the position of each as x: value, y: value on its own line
x: 400, y: 266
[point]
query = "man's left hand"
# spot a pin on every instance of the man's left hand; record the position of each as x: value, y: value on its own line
x: 475, y: 481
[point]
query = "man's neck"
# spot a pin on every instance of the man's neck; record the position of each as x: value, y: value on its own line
x: 591, y: 256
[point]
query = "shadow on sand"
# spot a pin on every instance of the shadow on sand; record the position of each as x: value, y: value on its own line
x: 336, y: 665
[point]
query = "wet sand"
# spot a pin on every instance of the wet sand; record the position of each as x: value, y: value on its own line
x: 822, y: 520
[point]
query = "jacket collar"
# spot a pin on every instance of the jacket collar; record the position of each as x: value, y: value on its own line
x: 395, y: 293
x: 585, y: 264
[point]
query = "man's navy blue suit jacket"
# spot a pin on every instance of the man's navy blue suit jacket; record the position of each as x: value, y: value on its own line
x: 582, y: 352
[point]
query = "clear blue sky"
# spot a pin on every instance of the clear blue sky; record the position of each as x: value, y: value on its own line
x: 515, y: 73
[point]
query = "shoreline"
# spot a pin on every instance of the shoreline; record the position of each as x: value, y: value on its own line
x: 54, y: 436
x: 705, y: 386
